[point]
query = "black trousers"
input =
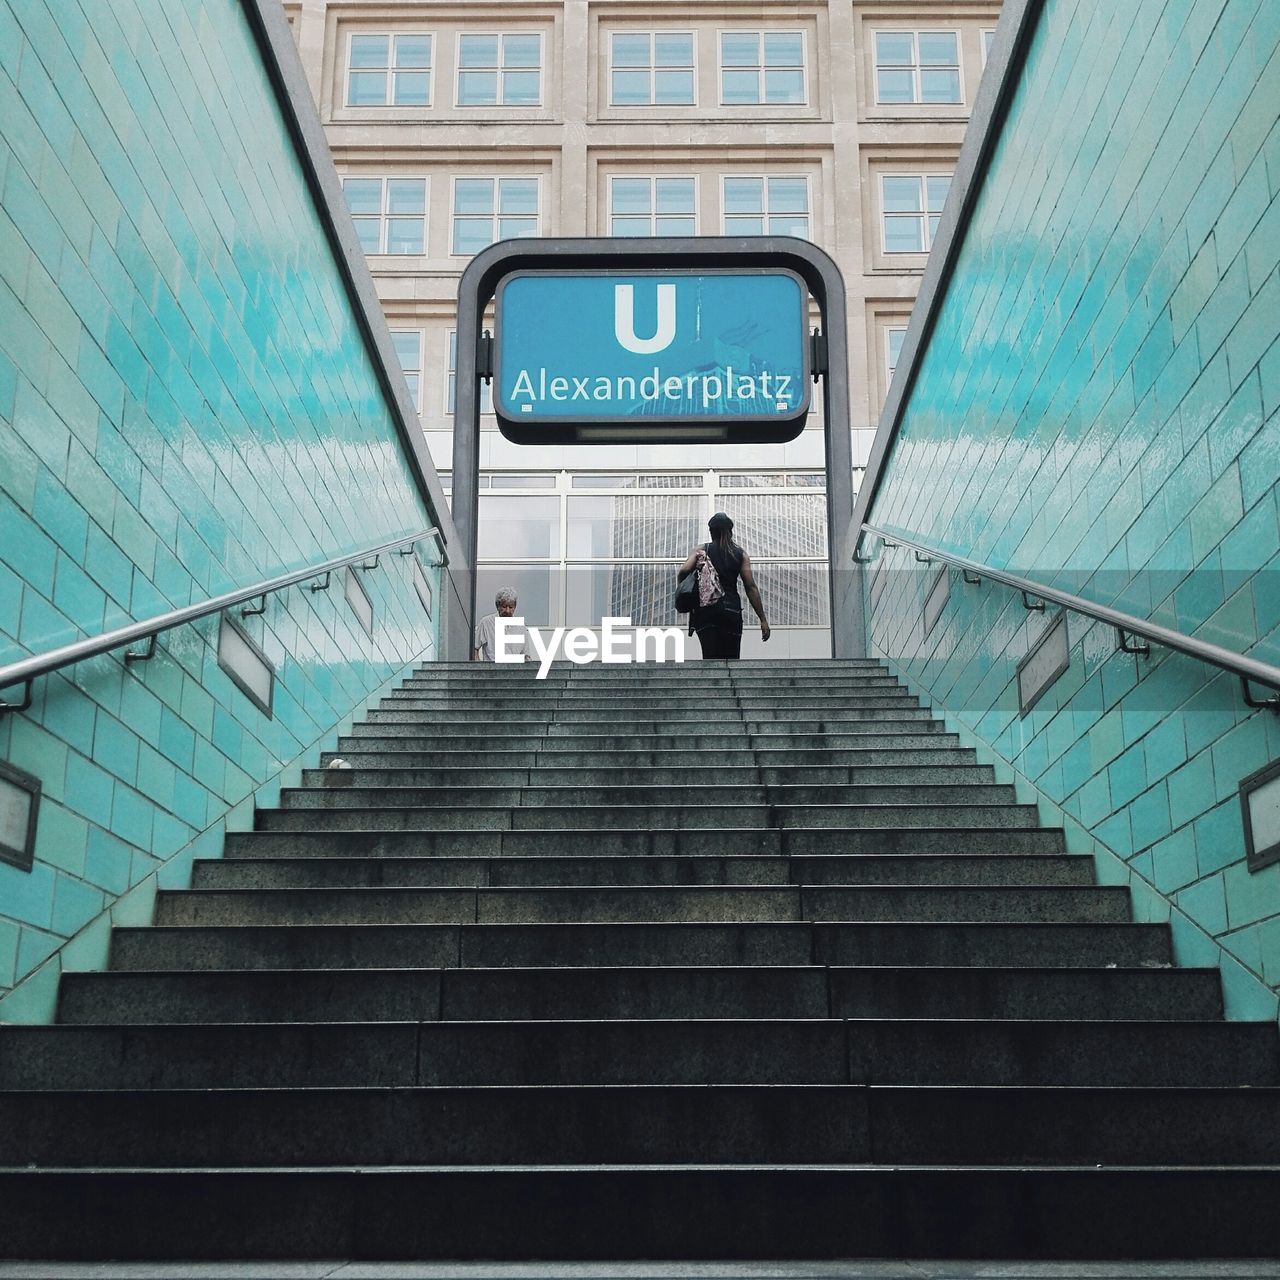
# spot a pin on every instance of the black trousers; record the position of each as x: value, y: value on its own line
x: 719, y: 631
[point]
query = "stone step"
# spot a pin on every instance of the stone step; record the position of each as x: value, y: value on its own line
x: 341, y: 791
x: 498, y: 946
x: 627, y: 1212
x: 662, y: 720
x: 657, y: 869
x: 1094, y: 904
x: 699, y: 842
x: 762, y: 1051
x: 640, y: 1124
x: 760, y: 991
x: 658, y: 746
x: 740, y: 668
x: 650, y: 816
x: 684, y: 705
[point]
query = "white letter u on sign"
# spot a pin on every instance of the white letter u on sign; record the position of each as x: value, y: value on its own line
x: 624, y: 319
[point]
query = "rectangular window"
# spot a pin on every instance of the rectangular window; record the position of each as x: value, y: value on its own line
x: 988, y: 39
x: 912, y: 207
x: 762, y: 67
x: 390, y: 214
x: 651, y: 69
x: 893, y: 340
x: 652, y: 207
x: 917, y: 66
x: 766, y: 206
x: 489, y: 209
x: 408, y: 345
x: 389, y: 70
x: 451, y: 382
x: 500, y: 70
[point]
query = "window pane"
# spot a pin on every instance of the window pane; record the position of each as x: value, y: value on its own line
x: 413, y: 51
x: 367, y: 88
x: 939, y: 86
x: 632, y: 195
x: 630, y: 49
x: 364, y: 195
x: 938, y: 185
x: 520, y: 88
x: 903, y: 235
x: 681, y: 226
x: 895, y: 86
x: 412, y: 380
x: 933, y: 227
x: 788, y: 195
x: 738, y: 226
x: 406, y: 195
x: 631, y: 88
x: 674, y: 88
x: 521, y: 51
x: 784, y: 86
x: 404, y: 235
x: 901, y: 194
x: 789, y: 225
x: 743, y: 195
x: 536, y: 585
x: 368, y: 231
x: 517, y: 228
x: 740, y: 88
x: 470, y: 235
x: 740, y: 49
x: 938, y: 48
x: 368, y: 51
x: 518, y: 195
x: 673, y: 50
x: 407, y: 346
x: 893, y: 48
x: 412, y: 89
x: 783, y: 49
x: 675, y: 195
x: 477, y: 88
x: 631, y: 227
x: 634, y: 526
x: 473, y: 195
x: 525, y: 528
x: 896, y: 338
x: 478, y: 51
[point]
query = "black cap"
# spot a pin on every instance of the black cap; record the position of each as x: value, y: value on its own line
x: 719, y: 521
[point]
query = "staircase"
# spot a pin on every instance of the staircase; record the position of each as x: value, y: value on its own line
x: 731, y: 960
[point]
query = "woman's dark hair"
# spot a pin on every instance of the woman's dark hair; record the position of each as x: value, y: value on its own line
x: 724, y: 540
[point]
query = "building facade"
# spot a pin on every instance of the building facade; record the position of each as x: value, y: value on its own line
x: 456, y: 124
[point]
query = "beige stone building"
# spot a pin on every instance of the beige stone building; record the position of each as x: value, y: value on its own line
x: 457, y: 123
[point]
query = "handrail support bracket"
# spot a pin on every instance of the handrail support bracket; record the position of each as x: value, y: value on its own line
x: 1271, y: 704
x: 141, y: 655
x: 252, y: 611
x: 26, y: 699
x: 1129, y: 645
x: 975, y: 581
x: 1032, y: 605
x: 323, y: 585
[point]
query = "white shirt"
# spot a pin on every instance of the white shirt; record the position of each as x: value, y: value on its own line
x: 487, y: 638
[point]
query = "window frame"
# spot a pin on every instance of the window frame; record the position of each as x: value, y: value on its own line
x: 495, y: 216
x: 420, y: 334
x: 348, y: 105
x: 652, y: 179
x: 924, y: 214
x: 451, y: 380
x: 383, y: 216
x: 916, y: 65
x: 498, y: 104
x: 764, y: 213
x: 891, y: 365
x: 761, y: 32
x: 652, y: 104
x: 986, y: 39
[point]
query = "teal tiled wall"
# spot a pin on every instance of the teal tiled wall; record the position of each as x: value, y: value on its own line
x: 1097, y: 409
x: 187, y: 406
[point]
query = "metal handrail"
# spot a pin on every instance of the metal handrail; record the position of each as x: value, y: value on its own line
x: 29, y: 669
x: 1248, y: 670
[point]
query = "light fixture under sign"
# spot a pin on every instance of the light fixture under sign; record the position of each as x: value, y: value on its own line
x: 1260, y: 801
x: 19, y: 805
x: 249, y: 668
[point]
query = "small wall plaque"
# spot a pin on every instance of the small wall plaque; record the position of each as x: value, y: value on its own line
x: 1048, y: 658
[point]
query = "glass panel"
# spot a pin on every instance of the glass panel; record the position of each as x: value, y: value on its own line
x: 412, y: 89
x: 364, y: 195
x: 411, y: 379
x: 406, y: 195
x: 670, y: 482
x: 674, y: 88
x: 939, y: 86
x: 520, y: 88
x: 631, y: 227
x: 743, y: 195
x: 895, y: 338
x: 789, y: 225
x: 367, y: 89
x: 477, y: 88
x: 641, y: 592
x: 630, y: 49
x: 473, y: 195
x: 675, y: 195
x: 762, y: 480
x: 780, y: 524
x: 740, y: 49
x: 895, y: 86
x: 740, y: 88
x: 478, y: 51
x: 676, y: 226
x: 537, y: 587
x: 795, y: 595
x: 518, y: 195
x: 901, y: 194
x: 407, y: 345
x: 903, y: 235
x: 368, y: 232
x: 631, y: 195
x: 894, y: 49
x: 938, y: 49
x: 631, y: 88
x: 413, y: 51
x: 634, y: 526
x: 517, y: 228
x: 788, y: 195
x: 470, y: 235
x: 404, y: 235
x: 783, y: 49
x: 938, y: 185
x: 541, y: 480
x: 784, y: 86
x: 933, y: 227
x: 809, y: 480
x: 521, y: 51
x: 671, y: 50
x: 525, y: 528
x: 368, y: 51
x: 583, y: 481
x: 738, y: 226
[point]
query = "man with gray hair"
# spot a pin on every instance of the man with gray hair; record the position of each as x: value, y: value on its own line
x: 487, y: 630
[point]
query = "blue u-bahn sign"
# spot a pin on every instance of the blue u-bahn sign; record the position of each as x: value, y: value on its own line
x: 649, y: 356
